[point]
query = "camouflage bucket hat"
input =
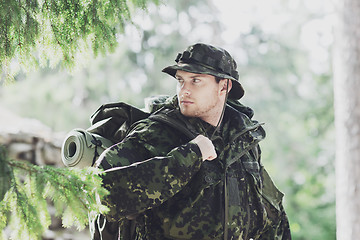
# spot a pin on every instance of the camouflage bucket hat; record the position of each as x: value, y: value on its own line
x: 206, y: 59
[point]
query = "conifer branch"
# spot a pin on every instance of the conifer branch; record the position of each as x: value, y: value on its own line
x: 75, y: 27
x: 26, y: 187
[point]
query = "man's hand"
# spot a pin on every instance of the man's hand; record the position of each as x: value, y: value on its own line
x: 206, y: 147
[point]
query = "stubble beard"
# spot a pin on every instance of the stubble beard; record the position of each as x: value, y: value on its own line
x: 202, y: 112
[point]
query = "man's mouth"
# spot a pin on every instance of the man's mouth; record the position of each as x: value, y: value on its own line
x: 186, y: 102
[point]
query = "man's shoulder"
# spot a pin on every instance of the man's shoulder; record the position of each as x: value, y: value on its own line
x: 239, y: 117
x: 146, y: 126
x: 153, y: 128
x: 239, y: 123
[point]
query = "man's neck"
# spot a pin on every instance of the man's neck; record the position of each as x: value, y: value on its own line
x: 215, y: 116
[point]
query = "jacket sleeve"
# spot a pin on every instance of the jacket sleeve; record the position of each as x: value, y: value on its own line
x: 146, y: 169
x: 279, y: 229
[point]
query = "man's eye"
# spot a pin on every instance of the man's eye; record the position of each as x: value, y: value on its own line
x: 195, y: 80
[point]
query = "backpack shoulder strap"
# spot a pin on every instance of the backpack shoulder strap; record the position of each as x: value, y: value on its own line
x: 164, y: 118
x: 173, y: 118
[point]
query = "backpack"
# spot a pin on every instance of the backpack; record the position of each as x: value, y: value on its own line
x: 113, y: 121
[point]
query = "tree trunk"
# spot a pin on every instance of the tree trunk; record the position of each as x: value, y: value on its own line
x: 347, y: 118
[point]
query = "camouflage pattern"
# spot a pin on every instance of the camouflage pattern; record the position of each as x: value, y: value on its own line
x: 158, y: 176
x: 207, y: 59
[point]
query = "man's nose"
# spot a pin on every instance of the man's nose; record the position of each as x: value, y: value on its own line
x: 185, y: 88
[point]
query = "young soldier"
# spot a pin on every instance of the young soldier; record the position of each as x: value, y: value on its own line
x: 210, y: 187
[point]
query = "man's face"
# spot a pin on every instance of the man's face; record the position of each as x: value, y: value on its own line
x: 198, y: 95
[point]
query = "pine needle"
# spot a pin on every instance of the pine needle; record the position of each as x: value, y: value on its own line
x: 74, y: 193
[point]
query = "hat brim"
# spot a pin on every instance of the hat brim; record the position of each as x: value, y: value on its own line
x: 236, y: 91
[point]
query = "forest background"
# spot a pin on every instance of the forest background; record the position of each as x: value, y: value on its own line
x: 284, y: 54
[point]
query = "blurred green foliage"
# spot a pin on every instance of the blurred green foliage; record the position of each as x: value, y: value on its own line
x: 288, y: 85
x: 35, y: 32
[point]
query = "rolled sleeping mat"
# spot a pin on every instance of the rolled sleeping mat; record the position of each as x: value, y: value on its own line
x: 79, y: 148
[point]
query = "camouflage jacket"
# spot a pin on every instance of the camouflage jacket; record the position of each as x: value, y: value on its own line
x: 157, y: 174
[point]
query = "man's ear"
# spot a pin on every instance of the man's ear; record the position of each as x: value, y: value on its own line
x: 225, y: 83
